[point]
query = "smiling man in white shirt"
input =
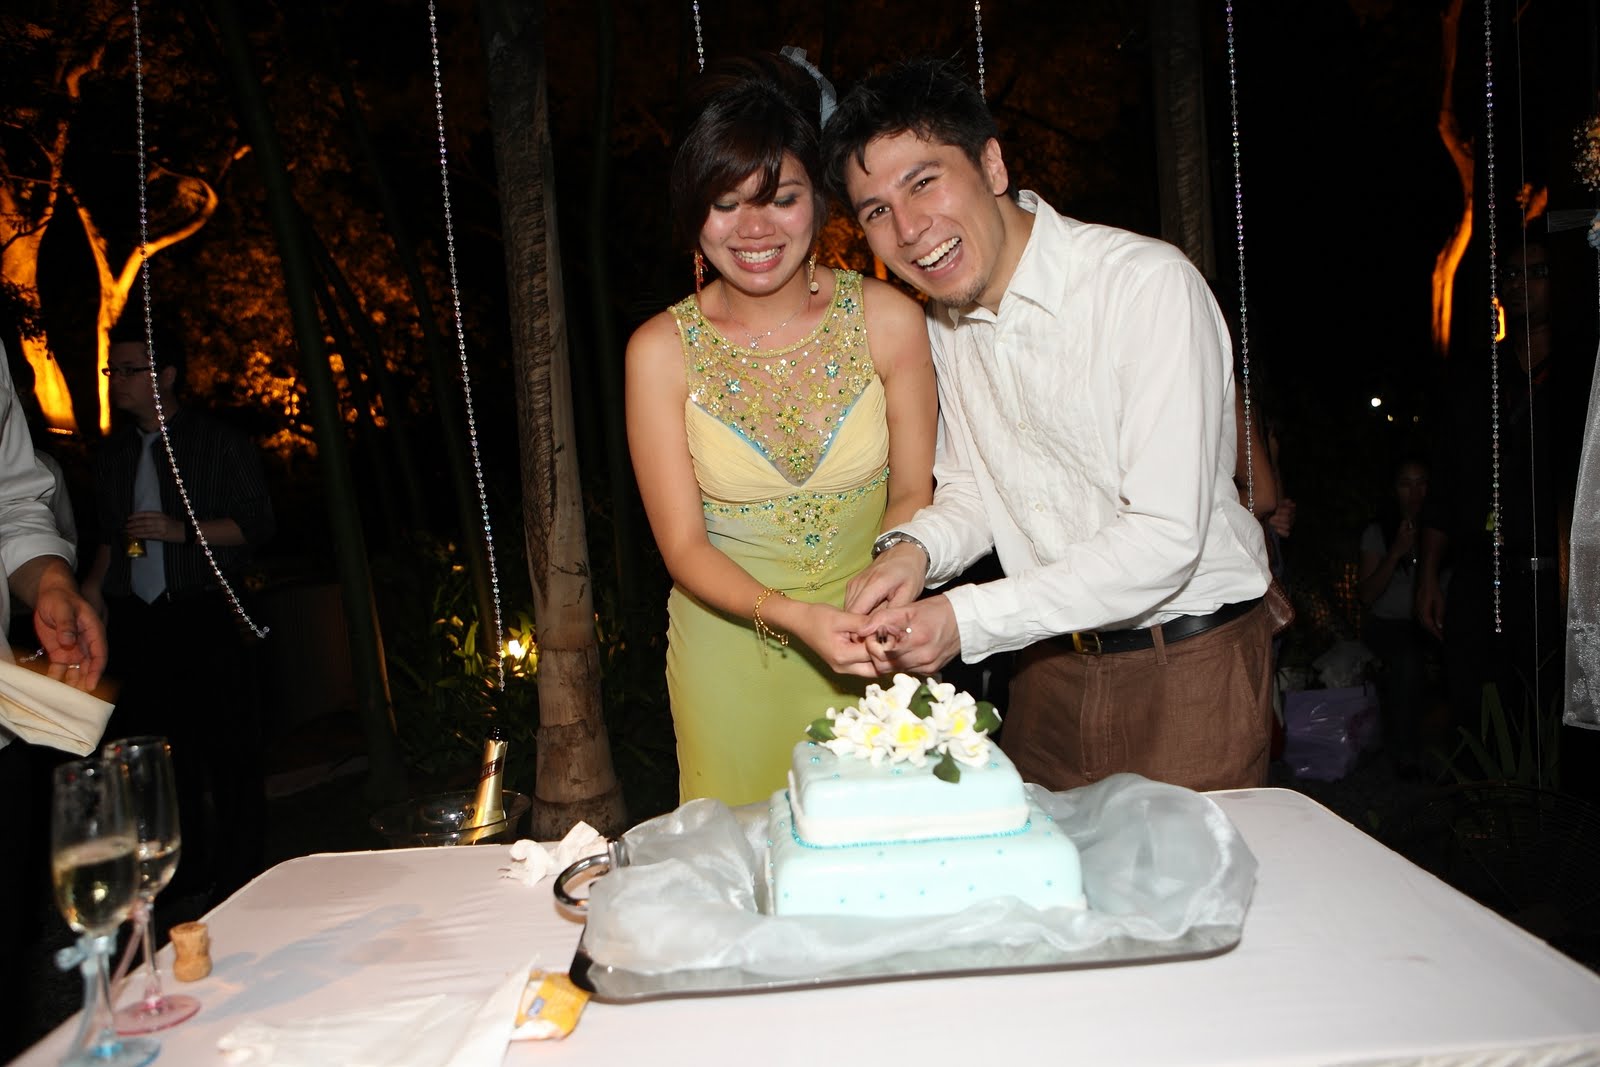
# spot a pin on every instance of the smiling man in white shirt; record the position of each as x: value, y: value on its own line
x: 1086, y: 435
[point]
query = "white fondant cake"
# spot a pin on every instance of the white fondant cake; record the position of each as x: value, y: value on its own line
x: 851, y: 837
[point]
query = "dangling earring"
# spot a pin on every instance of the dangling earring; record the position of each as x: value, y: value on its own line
x: 699, y: 271
x: 811, y: 272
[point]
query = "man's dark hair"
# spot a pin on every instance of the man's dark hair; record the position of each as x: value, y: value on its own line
x: 169, y: 349
x: 928, y: 97
x: 749, y: 113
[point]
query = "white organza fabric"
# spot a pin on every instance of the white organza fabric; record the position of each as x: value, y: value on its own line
x: 1160, y: 864
x: 1583, y: 582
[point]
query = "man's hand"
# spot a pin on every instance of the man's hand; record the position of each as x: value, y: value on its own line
x: 70, y: 631
x: 893, y: 579
x: 156, y: 526
x: 917, y: 639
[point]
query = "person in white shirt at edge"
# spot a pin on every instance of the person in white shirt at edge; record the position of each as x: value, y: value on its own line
x: 1086, y: 434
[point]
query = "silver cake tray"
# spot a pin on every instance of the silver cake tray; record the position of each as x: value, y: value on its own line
x: 617, y: 985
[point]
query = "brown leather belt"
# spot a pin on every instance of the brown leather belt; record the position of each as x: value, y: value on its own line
x: 1102, y: 642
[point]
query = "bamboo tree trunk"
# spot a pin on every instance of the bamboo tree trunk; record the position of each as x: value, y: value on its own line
x: 366, y: 431
x: 442, y: 364
x: 575, y: 776
x: 619, y: 472
x: 386, y: 774
x: 393, y: 439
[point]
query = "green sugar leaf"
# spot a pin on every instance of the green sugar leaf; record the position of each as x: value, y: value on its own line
x: 821, y: 730
x: 987, y: 720
x: 947, y: 770
x: 921, y: 702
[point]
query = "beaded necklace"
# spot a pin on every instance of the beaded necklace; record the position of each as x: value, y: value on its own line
x: 787, y: 402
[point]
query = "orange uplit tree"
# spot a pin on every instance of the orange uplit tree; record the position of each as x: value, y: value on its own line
x: 1459, y: 145
x: 39, y: 186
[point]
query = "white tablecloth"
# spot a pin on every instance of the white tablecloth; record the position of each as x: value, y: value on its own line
x: 1350, y: 954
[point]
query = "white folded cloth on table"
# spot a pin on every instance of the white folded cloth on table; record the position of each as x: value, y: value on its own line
x: 43, y: 711
x: 442, y: 1030
x: 531, y: 861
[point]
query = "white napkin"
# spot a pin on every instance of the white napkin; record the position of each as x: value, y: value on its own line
x: 43, y: 711
x: 531, y: 861
x: 442, y: 1030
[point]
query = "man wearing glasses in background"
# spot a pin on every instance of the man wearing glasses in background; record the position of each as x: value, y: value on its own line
x: 177, y: 652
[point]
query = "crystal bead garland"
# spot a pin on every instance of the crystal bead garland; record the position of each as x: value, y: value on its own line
x: 1494, y: 289
x: 977, y: 19
x: 699, y: 38
x: 461, y: 344
x: 150, y: 343
x: 1238, y: 237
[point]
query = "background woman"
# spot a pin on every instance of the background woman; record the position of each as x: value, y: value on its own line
x: 778, y: 419
x: 1386, y: 581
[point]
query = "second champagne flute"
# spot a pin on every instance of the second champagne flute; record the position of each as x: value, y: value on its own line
x: 155, y: 808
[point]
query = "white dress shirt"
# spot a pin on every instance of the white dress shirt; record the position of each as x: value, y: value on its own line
x: 1086, y: 433
x: 27, y: 529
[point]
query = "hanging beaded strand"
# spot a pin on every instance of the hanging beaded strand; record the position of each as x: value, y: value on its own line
x: 1238, y: 238
x: 461, y: 344
x: 1494, y: 289
x: 1533, y: 452
x: 699, y: 38
x: 150, y: 343
x: 977, y: 20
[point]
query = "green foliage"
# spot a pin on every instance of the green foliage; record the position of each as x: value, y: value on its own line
x: 1521, y: 749
x: 441, y: 671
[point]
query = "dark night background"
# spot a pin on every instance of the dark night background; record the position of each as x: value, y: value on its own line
x: 1349, y: 196
x: 1348, y: 192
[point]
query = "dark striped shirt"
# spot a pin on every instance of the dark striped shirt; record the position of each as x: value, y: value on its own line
x: 221, y: 469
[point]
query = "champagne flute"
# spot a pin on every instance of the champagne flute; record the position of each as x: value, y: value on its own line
x: 148, y: 761
x: 93, y: 865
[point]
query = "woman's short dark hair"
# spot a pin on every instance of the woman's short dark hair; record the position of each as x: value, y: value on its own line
x: 928, y: 97
x: 751, y: 112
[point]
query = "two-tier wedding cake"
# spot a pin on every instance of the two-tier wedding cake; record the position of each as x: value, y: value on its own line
x: 904, y: 806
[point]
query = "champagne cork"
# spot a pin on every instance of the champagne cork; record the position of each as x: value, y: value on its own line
x: 192, y: 944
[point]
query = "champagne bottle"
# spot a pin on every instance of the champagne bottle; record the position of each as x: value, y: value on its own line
x: 488, y: 807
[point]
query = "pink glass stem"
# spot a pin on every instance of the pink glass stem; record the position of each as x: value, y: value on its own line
x: 152, y: 984
x: 123, y: 964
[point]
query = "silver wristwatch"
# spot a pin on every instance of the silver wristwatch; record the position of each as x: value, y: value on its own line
x: 895, y: 537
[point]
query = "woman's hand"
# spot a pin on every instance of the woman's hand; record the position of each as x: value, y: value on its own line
x: 832, y: 635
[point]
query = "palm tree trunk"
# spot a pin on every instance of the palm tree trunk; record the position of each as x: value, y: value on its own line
x: 1181, y: 153
x: 575, y: 776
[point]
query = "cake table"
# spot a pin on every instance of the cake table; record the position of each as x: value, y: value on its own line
x: 1350, y: 955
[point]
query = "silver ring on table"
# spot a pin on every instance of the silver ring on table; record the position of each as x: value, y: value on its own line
x: 602, y: 860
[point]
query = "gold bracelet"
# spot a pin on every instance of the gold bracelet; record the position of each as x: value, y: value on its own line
x: 763, y: 631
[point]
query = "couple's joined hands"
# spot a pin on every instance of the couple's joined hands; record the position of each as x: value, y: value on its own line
x: 916, y: 638
x: 884, y: 629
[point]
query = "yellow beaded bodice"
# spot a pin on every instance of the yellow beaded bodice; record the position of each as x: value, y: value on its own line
x: 787, y: 403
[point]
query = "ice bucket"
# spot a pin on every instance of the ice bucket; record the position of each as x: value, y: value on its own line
x: 445, y: 818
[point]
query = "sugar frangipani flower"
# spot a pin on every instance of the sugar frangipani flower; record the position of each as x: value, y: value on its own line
x: 909, y: 722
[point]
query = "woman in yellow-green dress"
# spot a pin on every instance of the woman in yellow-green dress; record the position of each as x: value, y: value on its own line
x: 778, y: 419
